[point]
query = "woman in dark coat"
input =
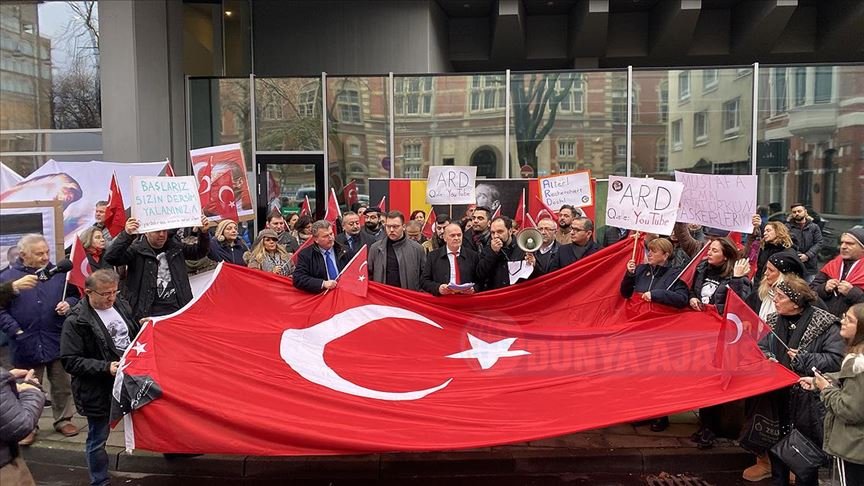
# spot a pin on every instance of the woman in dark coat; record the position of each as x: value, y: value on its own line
x: 94, y: 244
x: 226, y: 245
x: 775, y: 238
x: 655, y: 280
x: 804, y: 337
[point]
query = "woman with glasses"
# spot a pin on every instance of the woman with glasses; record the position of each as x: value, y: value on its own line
x: 804, y: 337
x: 268, y: 255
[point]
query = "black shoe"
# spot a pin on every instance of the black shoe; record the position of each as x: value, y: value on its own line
x: 660, y: 424
x: 705, y: 438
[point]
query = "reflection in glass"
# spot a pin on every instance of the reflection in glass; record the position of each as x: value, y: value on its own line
x: 289, y: 114
x: 219, y: 113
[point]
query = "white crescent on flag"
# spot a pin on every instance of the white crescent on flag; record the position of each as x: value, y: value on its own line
x: 85, y: 267
x: 223, y: 189
x: 204, y: 179
x: 739, y: 326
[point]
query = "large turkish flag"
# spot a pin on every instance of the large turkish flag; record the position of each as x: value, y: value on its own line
x: 254, y: 366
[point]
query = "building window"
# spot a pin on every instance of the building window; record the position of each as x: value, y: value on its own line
x: 823, y: 84
x: 564, y: 167
x: 349, y: 106
x: 684, y: 85
x: 621, y: 150
x: 677, y: 138
x: 413, y: 158
x: 487, y: 93
x: 662, y: 156
x: 731, y: 117
x: 574, y: 100
x: 273, y: 111
x: 700, y: 127
x: 741, y: 72
x: 307, y: 101
x: 663, y: 107
x: 780, y: 85
x: 355, y: 150
x: 709, y: 79
x: 567, y: 149
x: 413, y: 96
x: 800, y: 86
x: 619, y: 101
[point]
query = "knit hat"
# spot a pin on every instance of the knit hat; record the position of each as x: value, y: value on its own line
x: 786, y: 262
x: 857, y: 232
x: 715, y: 232
x: 220, y: 229
x: 373, y: 209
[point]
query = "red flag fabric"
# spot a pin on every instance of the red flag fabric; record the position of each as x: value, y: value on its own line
x: 519, y: 217
x: 80, y: 266
x: 689, y: 271
x: 740, y: 332
x: 496, y: 213
x: 855, y: 276
x: 429, y: 225
x: 115, y: 213
x: 349, y: 192
x: 333, y: 211
x: 735, y: 237
x: 552, y: 213
x: 750, y: 323
x: 354, y: 278
x: 308, y: 242
x: 205, y: 184
x: 382, y: 204
x: 531, y: 220
x: 169, y: 171
x: 305, y: 207
x: 426, y: 374
x: 221, y: 198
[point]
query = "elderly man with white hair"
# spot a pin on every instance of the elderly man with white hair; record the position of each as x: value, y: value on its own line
x: 33, y: 321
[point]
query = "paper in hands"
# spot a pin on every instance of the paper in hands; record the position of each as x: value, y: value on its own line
x: 460, y: 288
x: 520, y: 269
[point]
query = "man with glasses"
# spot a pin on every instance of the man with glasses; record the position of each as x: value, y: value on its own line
x: 397, y: 260
x: 548, y: 250
x: 95, y: 335
x: 351, y: 238
x: 581, y: 244
x: 319, y: 264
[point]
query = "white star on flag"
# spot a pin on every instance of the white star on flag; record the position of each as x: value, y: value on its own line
x: 489, y: 353
x: 139, y: 348
x: 231, y: 204
x: 361, y: 278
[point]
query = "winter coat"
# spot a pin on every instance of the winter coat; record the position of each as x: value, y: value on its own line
x: 476, y: 241
x: 19, y: 415
x: 808, y: 240
x: 571, y: 253
x: 493, y: 270
x: 741, y: 286
x: 311, y: 271
x: 844, y: 404
x: 410, y: 255
x: 7, y: 293
x: 438, y: 269
x: 86, y: 351
x: 221, y: 252
x: 100, y: 265
x: 764, y: 254
x: 32, y: 311
x: 143, y: 266
x: 656, y: 279
x: 836, y: 302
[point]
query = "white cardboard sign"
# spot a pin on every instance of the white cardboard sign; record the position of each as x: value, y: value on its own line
x: 573, y: 189
x: 719, y: 201
x: 160, y: 203
x: 449, y: 184
x: 648, y: 205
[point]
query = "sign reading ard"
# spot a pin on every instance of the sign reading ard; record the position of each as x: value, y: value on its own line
x: 449, y: 184
x: 647, y: 205
x: 160, y: 203
x: 719, y: 201
x: 573, y: 189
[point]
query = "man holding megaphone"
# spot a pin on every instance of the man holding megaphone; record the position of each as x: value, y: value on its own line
x: 33, y: 320
x: 502, y: 261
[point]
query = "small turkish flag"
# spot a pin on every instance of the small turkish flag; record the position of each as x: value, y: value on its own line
x: 738, y: 310
x: 306, y: 243
x: 80, y: 266
x: 205, y: 184
x: 689, y: 271
x: 115, y: 213
x: 355, y: 276
x: 222, y: 199
x: 496, y: 214
x: 530, y: 220
x: 169, y: 171
x: 429, y: 227
x: 350, y: 193
x: 552, y: 213
x: 333, y: 212
x: 519, y: 217
x: 305, y: 208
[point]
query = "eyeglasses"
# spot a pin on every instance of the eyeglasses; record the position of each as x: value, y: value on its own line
x: 110, y: 293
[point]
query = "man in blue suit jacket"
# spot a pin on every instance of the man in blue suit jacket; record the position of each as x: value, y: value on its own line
x: 318, y: 265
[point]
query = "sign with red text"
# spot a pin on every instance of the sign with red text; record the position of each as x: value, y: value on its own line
x: 573, y: 189
x: 648, y: 205
x: 719, y: 201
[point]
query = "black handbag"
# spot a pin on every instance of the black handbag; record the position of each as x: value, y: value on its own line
x: 800, y: 453
x: 761, y: 429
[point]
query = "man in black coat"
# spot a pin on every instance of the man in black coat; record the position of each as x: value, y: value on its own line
x: 319, y: 264
x: 548, y: 250
x: 95, y: 336
x: 807, y: 237
x: 351, y: 237
x: 478, y: 236
x: 494, y: 268
x: 582, y: 244
x: 157, y: 281
x: 440, y: 268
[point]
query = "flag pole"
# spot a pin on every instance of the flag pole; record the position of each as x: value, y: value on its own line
x: 635, y: 245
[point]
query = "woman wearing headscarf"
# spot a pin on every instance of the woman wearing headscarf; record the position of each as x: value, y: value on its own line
x: 268, y: 255
x: 94, y: 246
x: 804, y: 337
x: 843, y: 396
x: 226, y: 245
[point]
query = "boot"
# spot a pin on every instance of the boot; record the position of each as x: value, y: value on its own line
x: 759, y: 471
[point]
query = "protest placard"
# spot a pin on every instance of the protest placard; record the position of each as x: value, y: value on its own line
x: 719, y: 201
x: 165, y: 202
x: 573, y: 189
x: 216, y: 161
x: 646, y: 205
x: 449, y: 184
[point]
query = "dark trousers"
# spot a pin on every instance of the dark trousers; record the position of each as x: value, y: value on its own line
x: 780, y: 474
x: 97, y: 457
x: 854, y: 473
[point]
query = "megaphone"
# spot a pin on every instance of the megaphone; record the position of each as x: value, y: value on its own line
x: 529, y: 239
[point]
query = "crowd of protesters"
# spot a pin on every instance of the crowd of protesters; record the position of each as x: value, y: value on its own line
x: 135, y: 277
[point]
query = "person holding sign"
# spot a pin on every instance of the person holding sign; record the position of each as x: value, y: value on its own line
x: 655, y: 280
x: 158, y: 280
x: 501, y: 260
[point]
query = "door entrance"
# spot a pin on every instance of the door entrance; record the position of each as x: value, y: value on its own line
x: 286, y: 180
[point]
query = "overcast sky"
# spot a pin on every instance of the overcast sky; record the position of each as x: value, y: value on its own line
x: 54, y: 22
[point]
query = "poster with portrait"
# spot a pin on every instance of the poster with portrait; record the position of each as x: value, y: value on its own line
x: 20, y: 218
x: 210, y: 163
x: 493, y: 194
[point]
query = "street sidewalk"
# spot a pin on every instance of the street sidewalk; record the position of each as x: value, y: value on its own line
x: 618, y: 449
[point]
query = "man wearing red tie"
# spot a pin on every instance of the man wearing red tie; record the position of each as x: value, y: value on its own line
x: 450, y: 264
